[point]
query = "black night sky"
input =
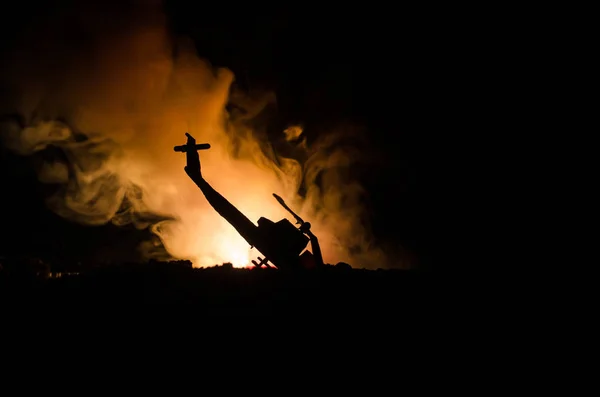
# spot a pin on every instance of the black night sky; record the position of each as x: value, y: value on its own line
x: 419, y: 79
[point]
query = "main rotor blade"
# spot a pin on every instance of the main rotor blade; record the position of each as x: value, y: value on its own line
x: 284, y: 205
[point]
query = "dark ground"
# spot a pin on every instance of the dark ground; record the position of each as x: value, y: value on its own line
x: 222, y: 290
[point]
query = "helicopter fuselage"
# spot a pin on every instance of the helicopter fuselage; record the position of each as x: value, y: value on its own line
x: 280, y: 242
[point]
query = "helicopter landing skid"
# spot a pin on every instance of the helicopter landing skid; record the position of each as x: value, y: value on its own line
x: 261, y: 262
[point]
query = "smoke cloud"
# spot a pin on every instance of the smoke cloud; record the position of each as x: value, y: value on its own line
x: 114, y: 92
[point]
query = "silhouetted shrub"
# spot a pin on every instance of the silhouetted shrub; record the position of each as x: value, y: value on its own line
x: 343, y: 266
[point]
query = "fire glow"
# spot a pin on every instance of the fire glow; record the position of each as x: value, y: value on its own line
x: 134, y: 99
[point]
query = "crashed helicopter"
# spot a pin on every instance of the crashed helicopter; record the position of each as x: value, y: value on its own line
x: 282, y: 244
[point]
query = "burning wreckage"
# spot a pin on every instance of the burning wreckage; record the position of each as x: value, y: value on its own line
x: 281, y: 243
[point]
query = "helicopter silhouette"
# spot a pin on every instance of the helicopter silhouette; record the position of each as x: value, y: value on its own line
x: 282, y: 244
